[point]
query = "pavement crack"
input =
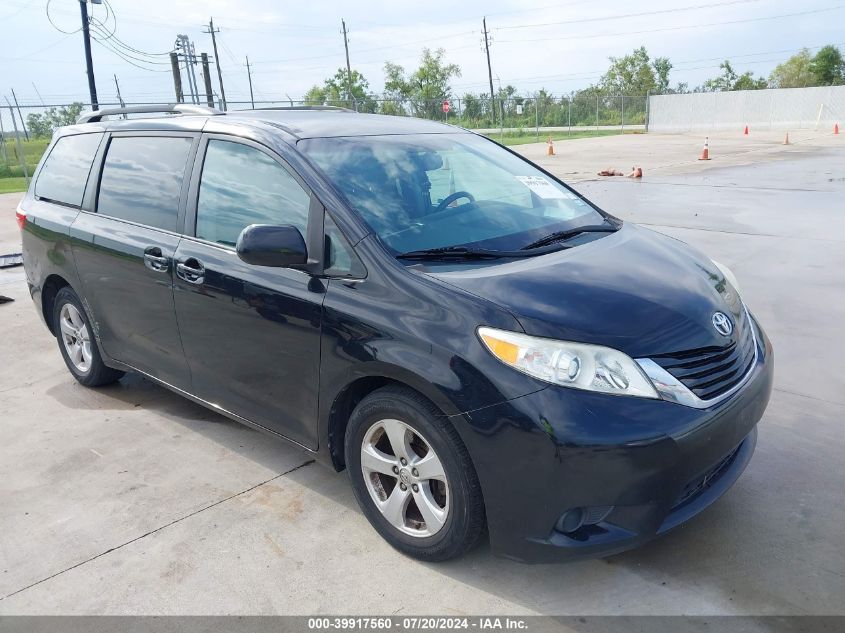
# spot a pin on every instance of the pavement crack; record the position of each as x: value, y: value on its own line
x: 701, y: 228
x: 160, y: 528
x: 723, y: 186
x: 804, y: 395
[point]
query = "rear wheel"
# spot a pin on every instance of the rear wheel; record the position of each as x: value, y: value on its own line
x: 77, y: 344
x: 412, y: 475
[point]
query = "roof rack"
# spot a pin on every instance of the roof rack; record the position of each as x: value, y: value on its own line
x: 304, y: 107
x: 170, y: 108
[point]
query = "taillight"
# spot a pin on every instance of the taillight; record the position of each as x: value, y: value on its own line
x: 20, y: 216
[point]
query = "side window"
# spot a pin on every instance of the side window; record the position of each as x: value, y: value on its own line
x: 341, y: 260
x: 65, y: 172
x: 142, y: 179
x: 241, y: 185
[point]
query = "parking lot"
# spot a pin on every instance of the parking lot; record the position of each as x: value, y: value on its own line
x: 132, y: 500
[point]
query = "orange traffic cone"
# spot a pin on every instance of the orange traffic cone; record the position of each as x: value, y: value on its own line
x: 836, y: 128
x: 551, y: 147
x: 786, y: 139
x: 705, y: 153
x: 746, y: 131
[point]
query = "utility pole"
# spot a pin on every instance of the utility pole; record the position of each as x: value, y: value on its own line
x: 348, y: 67
x: 23, y: 125
x: 3, y: 140
x: 119, y: 98
x: 86, y: 38
x: 211, y: 30
x: 177, y: 77
x: 489, y: 67
x: 192, y: 60
x: 184, y: 44
x: 19, y: 148
x: 249, y: 76
x: 40, y: 98
x: 206, y: 77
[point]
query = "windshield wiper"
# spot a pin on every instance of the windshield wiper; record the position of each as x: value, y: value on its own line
x: 449, y: 252
x: 559, y: 236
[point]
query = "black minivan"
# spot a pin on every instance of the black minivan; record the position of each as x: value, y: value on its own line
x: 484, y: 350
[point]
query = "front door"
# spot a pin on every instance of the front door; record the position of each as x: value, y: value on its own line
x: 251, y: 334
x: 124, y: 252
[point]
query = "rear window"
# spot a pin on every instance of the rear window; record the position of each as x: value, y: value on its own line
x: 142, y: 179
x: 65, y: 172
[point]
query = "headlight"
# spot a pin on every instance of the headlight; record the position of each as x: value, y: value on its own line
x: 578, y: 365
x: 728, y: 273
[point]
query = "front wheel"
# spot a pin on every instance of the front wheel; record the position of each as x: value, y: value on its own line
x: 77, y: 344
x: 412, y: 475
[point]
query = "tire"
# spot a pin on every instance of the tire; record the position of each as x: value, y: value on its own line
x: 77, y: 344
x: 439, y: 514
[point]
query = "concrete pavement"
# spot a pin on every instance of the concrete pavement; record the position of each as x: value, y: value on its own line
x: 132, y: 500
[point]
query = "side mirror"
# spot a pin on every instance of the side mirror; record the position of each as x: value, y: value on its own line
x: 268, y: 245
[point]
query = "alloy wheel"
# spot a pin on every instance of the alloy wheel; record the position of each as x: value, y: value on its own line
x: 75, y: 337
x: 405, y: 478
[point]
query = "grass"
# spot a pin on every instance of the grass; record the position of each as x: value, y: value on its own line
x: 528, y: 136
x: 11, y: 173
x: 12, y: 185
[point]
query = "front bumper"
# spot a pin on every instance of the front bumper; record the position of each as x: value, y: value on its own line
x: 649, y: 464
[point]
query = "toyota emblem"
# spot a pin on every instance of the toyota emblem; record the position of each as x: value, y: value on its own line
x: 722, y: 323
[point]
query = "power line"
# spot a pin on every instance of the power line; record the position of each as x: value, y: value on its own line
x: 127, y: 59
x: 629, y: 15
x: 119, y: 42
x: 596, y: 74
x: 40, y: 50
x: 112, y: 45
x: 369, y: 50
x: 675, y: 28
x: 50, y: 19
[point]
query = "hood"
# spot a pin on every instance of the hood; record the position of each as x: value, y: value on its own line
x: 635, y: 290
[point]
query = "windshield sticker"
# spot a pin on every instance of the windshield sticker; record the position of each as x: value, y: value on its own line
x: 543, y: 188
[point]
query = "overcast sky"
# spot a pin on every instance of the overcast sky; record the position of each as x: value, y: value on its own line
x: 559, y: 46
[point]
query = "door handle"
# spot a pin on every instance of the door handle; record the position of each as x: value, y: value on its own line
x: 191, y: 271
x: 154, y: 260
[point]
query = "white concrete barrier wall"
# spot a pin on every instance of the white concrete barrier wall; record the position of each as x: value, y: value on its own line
x: 782, y: 109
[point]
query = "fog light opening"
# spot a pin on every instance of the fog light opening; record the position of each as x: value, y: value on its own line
x: 581, y: 522
x: 570, y: 521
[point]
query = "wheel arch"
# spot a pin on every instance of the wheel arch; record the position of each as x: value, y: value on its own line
x: 52, y: 284
x: 358, y: 388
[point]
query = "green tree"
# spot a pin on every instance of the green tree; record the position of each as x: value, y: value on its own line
x: 723, y: 82
x: 729, y: 80
x: 661, y: 66
x: 425, y: 88
x: 335, y: 91
x: 795, y: 72
x: 506, y: 100
x: 635, y: 74
x: 746, y: 81
x: 45, y: 124
x: 828, y: 67
x: 471, y: 106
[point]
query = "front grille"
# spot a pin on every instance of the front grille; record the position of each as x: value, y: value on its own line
x: 711, y: 371
x: 705, y: 480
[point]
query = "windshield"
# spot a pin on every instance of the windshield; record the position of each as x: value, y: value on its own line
x: 427, y: 191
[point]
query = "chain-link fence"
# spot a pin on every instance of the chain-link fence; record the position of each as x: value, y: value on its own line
x: 25, y: 130
x: 516, y: 114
